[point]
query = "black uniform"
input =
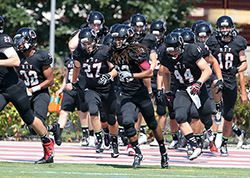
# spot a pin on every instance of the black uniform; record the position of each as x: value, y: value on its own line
x: 74, y: 98
x: 94, y: 65
x: 134, y: 96
x: 12, y: 89
x: 161, y: 106
x: 227, y: 55
x: 31, y: 72
x: 186, y: 73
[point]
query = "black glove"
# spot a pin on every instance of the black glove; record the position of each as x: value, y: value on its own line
x: 125, y: 75
x: 170, y: 98
x: 75, y: 85
x: 220, y: 85
x: 159, y: 95
x: 105, y: 78
x: 233, y: 70
x: 151, y: 95
x: 195, y: 88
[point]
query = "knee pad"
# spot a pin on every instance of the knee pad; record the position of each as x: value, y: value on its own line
x: 207, y: 121
x: 152, y: 124
x: 32, y: 131
x: 111, y: 119
x: 130, y: 131
x: 181, y: 117
x: 228, y: 116
x: 103, y: 116
x: 84, y: 107
x: 161, y: 110
x: 93, y: 110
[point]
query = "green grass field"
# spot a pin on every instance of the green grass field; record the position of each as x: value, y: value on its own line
x: 31, y: 170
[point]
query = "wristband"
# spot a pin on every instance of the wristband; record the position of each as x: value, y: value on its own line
x: 36, y: 88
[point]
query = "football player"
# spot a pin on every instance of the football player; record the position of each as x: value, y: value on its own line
x: 190, y: 71
x: 12, y: 89
x: 229, y: 51
x: 92, y: 58
x: 130, y: 60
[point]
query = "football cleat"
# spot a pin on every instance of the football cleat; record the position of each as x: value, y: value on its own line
x: 84, y: 142
x: 99, y: 147
x: 193, y: 153
x: 115, y: 150
x: 106, y: 139
x: 173, y: 144
x: 57, y: 135
x: 91, y: 140
x: 131, y: 151
x: 48, y: 149
x: 223, y: 151
x: 142, y: 139
x: 154, y: 143
x: 213, y: 147
x: 209, y: 134
x: 217, y: 118
x: 241, y: 139
x: 247, y: 146
x: 164, y: 161
x: 137, y: 160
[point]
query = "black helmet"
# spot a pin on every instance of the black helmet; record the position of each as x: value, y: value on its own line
x: 187, y: 29
x: 108, y: 40
x: 1, y: 24
x: 204, y: 29
x: 127, y: 22
x: 25, y: 36
x: 158, y: 27
x: 174, y: 42
x: 178, y: 30
x: 86, y: 35
x: 123, y: 31
x: 188, y: 37
x: 96, y: 18
x: 112, y: 28
x: 138, y: 20
x: 195, y: 24
x: 225, y: 21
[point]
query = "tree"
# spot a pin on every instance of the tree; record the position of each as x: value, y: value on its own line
x: 71, y: 14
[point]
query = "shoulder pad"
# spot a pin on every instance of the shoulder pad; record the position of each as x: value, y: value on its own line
x: 45, y: 57
x: 194, y: 51
x: 5, y: 41
x: 240, y: 41
x: 149, y: 41
x: 211, y: 41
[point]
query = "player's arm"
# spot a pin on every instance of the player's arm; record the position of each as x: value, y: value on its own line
x: 76, y: 71
x: 146, y: 72
x: 215, y: 65
x: 58, y: 92
x: 243, y: 96
x: 73, y: 42
x: 166, y: 79
x: 205, y: 69
x: 12, y: 57
x: 243, y: 60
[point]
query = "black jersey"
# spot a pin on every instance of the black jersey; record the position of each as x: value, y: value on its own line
x: 184, y: 69
x: 227, y: 53
x: 8, y: 75
x: 147, y: 40
x: 132, y: 85
x: 94, y: 65
x: 204, y: 49
x: 69, y: 64
x: 31, y: 68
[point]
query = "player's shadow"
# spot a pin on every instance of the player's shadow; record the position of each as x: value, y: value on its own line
x: 127, y: 166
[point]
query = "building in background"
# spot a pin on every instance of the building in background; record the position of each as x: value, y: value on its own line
x: 238, y: 10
